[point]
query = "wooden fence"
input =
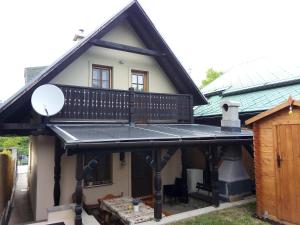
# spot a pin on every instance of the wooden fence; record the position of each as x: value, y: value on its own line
x: 7, y: 182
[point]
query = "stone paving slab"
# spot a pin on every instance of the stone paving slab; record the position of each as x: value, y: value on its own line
x: 21, y: 211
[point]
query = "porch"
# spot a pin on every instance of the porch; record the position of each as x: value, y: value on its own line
x: 155, y: 143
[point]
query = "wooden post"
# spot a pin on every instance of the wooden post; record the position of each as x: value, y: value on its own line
x: 57, y: 172
x: 78, y: 190
x: 191, y: 109
x: 131, y: 106
x: 157, y: 186
x: 214, y: 166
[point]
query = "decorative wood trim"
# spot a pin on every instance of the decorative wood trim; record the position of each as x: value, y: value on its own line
x: 167, y: 156
x: 157, y: 186
x: 272, y: 110
x: 57, y: 172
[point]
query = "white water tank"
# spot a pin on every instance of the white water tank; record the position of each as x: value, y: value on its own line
x: 193, y: 177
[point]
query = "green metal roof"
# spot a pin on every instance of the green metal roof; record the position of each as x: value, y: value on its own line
x: 258, y: 85
x: 250, y: 102
x: 263, y: 71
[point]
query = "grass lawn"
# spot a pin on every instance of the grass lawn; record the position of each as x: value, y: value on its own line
x: 234, y: 216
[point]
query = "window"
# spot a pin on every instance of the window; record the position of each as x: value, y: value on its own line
x: 139, y: 80
x: 102, y: 174
x: 101, y: 77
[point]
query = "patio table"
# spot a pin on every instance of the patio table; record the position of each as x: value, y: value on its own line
x: 120, y: 207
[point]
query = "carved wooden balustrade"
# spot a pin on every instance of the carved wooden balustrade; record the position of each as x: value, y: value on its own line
x: 86, y: 103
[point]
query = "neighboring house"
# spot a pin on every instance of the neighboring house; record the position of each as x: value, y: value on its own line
x: 103, y: 120
x: 30, y: 73
x: 258, y: 85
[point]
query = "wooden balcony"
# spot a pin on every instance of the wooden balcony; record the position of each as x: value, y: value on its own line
x: 86, y: 103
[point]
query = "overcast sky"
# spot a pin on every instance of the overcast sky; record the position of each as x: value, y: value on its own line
x: 203, y: 34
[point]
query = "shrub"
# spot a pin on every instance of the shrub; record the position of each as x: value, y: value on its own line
x: 6, y: 152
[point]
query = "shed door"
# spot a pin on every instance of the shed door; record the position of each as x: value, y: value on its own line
x: 288, y: 173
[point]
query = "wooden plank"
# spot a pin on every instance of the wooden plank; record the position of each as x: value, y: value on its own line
x: 264, y: 137
x: 125, y: 48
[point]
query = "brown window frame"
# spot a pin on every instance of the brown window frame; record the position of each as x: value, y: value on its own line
x: 109, y: 68
x: 145, y: 79
x: 97, y: 183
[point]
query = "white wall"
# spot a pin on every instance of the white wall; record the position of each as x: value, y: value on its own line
x: 80, y: 71
x: 45, y: 175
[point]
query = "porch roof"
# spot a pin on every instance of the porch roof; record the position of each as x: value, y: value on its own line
x: 142, y: 135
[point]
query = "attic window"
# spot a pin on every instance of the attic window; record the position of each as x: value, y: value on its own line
x: 101, y: 77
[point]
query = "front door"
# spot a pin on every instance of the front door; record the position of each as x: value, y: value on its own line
x: 288, y: 172
x: 141, y: 176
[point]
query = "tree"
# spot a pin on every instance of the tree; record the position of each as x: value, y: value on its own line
x: 211, y: 75
x: 21, y: 143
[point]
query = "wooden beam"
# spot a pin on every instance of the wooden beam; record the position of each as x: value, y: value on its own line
x: 148, y: 158
x: 214, y: 167
x: 250, y: 149
x: 78, y: 190
x: 22, y: 129
x: 57, y: 172
x: 167, y: 156
x: 157, y: 186
x: 125, y: 48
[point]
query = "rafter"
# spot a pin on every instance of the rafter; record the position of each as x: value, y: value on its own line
x: 125, y: 48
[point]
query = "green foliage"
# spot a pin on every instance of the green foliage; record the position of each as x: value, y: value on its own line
x: 211, y: 75
x: 6, y: 152
x: 241, y: 215
x: 21, y: 143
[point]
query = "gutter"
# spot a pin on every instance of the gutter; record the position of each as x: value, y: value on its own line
x: 121, y: 146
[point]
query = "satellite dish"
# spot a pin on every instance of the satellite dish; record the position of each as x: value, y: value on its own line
x: 47, y: 100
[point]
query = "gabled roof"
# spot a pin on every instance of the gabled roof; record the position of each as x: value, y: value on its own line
x: 286, y: 104
x: 147, y: 33
x: 258, y: 86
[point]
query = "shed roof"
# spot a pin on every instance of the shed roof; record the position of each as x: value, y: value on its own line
x: 288, y: 103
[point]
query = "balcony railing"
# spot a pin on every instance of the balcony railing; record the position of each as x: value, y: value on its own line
x: 86, y: 103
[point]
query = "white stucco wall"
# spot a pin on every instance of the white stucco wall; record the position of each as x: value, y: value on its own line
x: 80, y: 71
x: 42, y: 191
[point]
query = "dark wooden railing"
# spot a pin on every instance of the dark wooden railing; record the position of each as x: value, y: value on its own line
x: 86, y: 103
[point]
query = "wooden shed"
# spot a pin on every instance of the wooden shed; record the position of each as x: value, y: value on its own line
x: 277, y: 162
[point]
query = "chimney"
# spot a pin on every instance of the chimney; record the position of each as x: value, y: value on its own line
x: 79, y: 35
x: 230, y: 116
x: 234, y: 182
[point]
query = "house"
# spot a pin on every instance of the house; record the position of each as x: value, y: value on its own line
x: 258, y: 85
x: 127, y: 123
x: 30, y: 73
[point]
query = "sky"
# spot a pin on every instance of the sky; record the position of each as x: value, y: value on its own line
x: 202, y: 33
